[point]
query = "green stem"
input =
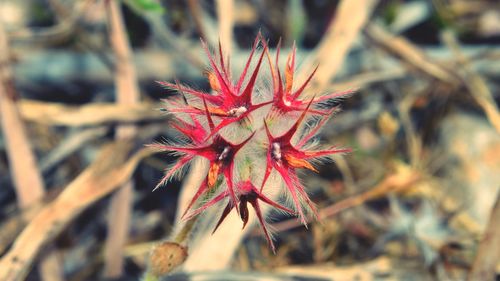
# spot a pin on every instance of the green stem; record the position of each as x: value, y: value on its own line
x: 183, y: 234
x: 148, y: 276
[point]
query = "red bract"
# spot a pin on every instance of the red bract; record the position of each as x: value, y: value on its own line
x: 285, y: 99
x: 247, y: 193
x: 286, y: 158
x: 220, y: 153
x: 195, y: 132
x: 230, y: 101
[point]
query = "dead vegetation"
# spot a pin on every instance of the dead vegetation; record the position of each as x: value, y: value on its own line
x: 416, y: 200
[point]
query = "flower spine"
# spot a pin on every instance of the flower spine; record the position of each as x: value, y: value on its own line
x: 244, y: 141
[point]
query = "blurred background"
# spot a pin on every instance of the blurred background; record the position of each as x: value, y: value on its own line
x: 413, y: 201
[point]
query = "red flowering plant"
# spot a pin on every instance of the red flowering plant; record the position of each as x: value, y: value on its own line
x: 242, y: 129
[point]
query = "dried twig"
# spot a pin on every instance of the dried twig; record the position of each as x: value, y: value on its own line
x: 127, y: 92
x: 95, y: 114
x: 404, y: 177
x: 54, y: 34
x: 363, y: 80
x: 413, y: 140
x: 361, y: 271
x: 111, y: 169
x: 69, y: 145
x: 366, y: 271
x: 196, y: 13
x: 474, y: 82
x: 402, y: 48
x: 228, y: 234
x: 225, y: 14
x: 25, y: 173
x: 330, y: 54
x: 177, y: 43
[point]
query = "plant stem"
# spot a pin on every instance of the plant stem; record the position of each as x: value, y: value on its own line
x: 27, y: 179
x: 127, y: 92
x: 186, y: 229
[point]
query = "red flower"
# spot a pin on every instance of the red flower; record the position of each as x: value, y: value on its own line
x: 231, y: 101
x: 247, y: 193
x: 285, y: 99
x: 220, y: 153
x: 286, y: 158
x: 195, y: 132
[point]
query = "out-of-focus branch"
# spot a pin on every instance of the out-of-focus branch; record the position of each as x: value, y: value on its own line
x: 413, y: 140
x: 180, y: 45
x: 225, y: 14
x: 127, y: 92
x: 94, y: 114
x: 25, y: 173
x: 112, y: 168
x: 196, y: 13
x: 403, y: 178
x: 331, y: 52
x: 53, y: 34
x: 405, y: 50
x: 474, y: 82
x: 34, y: 67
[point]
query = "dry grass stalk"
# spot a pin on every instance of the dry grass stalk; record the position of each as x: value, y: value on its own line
x: 112, y: 168
x: 51, y: 266
x: 474, y: 82
x: 57, y: 33
x: 95, y: 114
x: 197, y: 14
x: 191, y: 182
x: 413, y: 140
x: 27, y: 178
x: 229, y: 234
x: 363, y: 80
x: 364, y: 271
x: 9, y: 230
x: 127, y: 92
x: 348, y: 21
x: 70, y: 144
x: 225, y: 15
x: 410, y: 53
x: 403, y: 178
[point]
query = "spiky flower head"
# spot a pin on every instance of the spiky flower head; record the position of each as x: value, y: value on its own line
x: 241, y: 129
